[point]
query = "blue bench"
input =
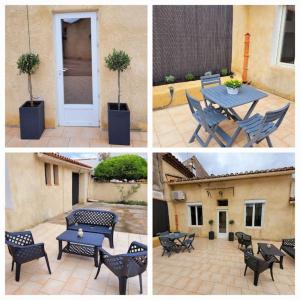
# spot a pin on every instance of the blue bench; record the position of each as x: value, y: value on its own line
x: 94, y: 221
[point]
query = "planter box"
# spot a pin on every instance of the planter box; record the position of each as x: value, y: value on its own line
x: 118, y: 124
x: 211, y: 235
x: 232, y: 91
x: 32, y: 120
x: 231, y: 236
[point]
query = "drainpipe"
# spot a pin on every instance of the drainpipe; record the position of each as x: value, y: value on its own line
x: 246, y: 57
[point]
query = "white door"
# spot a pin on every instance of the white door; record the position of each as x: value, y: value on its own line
x: 77, y: 69
x: 222, y: 223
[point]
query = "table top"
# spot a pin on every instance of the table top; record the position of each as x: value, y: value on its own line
x: 174, y: 235
x: 273, y: 250
x: 218, y: 94
x: 91, y: 239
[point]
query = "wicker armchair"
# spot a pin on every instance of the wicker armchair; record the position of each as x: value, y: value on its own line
x: 187, y: 243
x: 124, y: 266
x: 288, y: 246
x: 244, y: 240
x: 257, y: 265
x: 169, y: 246
x: 22, y: 248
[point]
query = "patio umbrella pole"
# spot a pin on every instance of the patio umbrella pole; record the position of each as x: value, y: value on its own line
x: 246, y: 57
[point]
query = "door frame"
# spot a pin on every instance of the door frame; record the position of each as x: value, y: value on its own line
x: 77, y: 108
x: 222, y: 235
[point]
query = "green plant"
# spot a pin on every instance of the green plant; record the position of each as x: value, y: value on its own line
x: 126, y: 193
x: 233, y: 83
x: 118, y: 61
x: 127, y: 166
x: 231, y: 222
x: 211, y: 222
x: 170, y: 79
x: 189, y: 77
x: 28, y: 63
x: 224, y: 72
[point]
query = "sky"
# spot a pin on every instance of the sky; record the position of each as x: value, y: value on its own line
x: 222, y: 163
x: 90, y: 155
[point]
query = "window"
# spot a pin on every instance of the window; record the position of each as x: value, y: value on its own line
x: 222, y: 202
x: 55, y: 174
x: 254, y: 213
x: 195, y: 212
x: 286, y: 40
x: 47, y: 174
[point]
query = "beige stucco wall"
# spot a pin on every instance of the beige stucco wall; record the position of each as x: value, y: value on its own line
x: 110, y: 192
x: 279, y: 215
x: 33, y: 201
x: 261, y: 21
x: 120, y: 27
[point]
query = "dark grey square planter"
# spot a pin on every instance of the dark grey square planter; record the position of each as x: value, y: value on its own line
x: 32, y: 120
x: 118, y: 124
x: 211, y: 235
x: 231, y: 236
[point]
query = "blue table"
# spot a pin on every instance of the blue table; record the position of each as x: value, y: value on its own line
x: 247, y: 94
x: 88, y: 245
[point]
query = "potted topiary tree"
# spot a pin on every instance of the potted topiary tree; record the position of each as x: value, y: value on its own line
x: 118, y: 113
x: 211, y: 234
x: 231, y: 234
x: 32, y: 115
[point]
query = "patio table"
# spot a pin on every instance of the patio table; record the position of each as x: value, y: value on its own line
x: 175, y: 236
x: 272, y: 251
x: 88, y: 245
x: 247, y: 94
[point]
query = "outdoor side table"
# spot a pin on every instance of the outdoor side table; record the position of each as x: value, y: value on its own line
x: 88, y: 245
x: 272, y: 251
x: 247, y: 94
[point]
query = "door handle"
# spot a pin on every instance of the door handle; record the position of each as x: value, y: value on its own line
x: 65, y: 69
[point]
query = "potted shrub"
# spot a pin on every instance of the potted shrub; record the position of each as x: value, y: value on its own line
x: 170, y: 79
x: 32, y: 115
x: 233, y: 86
x: 118, y: 113
x: 231, y: 234
x: 211, y: 234
x: 189, y: 77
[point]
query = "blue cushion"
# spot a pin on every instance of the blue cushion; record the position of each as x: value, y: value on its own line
x: 91, y: 228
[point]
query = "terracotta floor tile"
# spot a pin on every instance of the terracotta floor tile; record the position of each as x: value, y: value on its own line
x: 179, y: 117
x: 53, y: 287
x: 220, y: 271
x: 71, y: 137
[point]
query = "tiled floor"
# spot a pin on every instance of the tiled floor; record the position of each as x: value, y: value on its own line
x: 72, y: 274
x: 174, y: 126
x: 216, y: 267
x: 70, y: 137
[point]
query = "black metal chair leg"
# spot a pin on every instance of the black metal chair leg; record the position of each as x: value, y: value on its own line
x: 245, y: 270
x: 47, y: 262
x: 18, y: 271
x: 141, y: 283
x: 256, y: 275
x: 98, y: 271
x: 12, y: 265
x: 122, y: 285
x: 271, y: 271
x: 111, y: 242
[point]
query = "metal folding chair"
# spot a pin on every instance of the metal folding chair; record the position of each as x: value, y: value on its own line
x: 208, y: 80
x: 209, y: 119
x: 260, y: 127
